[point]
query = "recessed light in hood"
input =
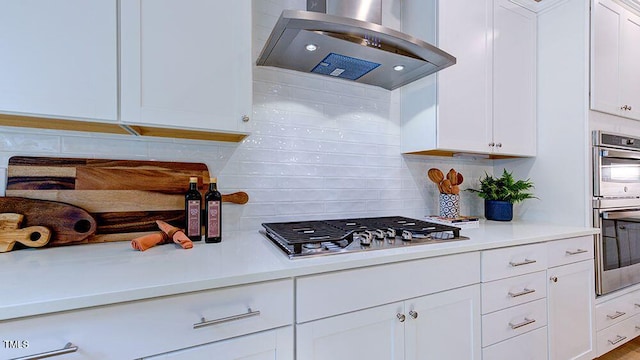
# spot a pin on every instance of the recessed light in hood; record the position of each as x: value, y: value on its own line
x: 351, y: 49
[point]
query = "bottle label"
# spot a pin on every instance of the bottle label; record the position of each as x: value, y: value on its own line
x: 193, y: 223
x: 213, y: 219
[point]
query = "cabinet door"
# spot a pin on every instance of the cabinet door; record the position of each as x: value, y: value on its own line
x: 629, y: 69
x: 571, y: 307
x: 373, y: 334
x: 444, y: 325
x: 186, y: 63
x: 268, y: 345
x: 464, y: 89
x: 514, y: 79
x: 59, y: 58
x: 605, y: 56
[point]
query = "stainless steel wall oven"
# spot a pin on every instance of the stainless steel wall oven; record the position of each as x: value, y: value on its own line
x: 616, y: 210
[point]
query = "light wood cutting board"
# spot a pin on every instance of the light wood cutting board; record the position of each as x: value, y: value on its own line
x: 124, y: 196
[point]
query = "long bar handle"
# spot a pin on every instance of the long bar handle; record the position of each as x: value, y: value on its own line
x: 526, y: 321
x: 204, y: 322
x: 578, y: 251
x: 616, y: 315
x: 617, y: 339
x: 525, y: 262
x: 67, y: 349
x: 523, y: 292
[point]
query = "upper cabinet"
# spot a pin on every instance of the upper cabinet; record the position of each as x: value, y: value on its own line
x: 186, y: 64
x: 59, y: 58
x: 615, y: 55
x: 486, y: 102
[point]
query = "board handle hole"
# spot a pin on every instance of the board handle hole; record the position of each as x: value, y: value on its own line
x: 35, y: 236
x: 82, y: 226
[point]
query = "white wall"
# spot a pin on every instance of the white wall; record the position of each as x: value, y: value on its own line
x: 319, y: 148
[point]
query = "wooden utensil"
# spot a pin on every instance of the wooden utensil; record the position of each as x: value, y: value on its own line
x: 32, y: 236
x: 435, y: 175
x: 239, y: 197
x: 446, y: 186
x: 460, y: 179
x: 68, y: 224
x: 452, y: 176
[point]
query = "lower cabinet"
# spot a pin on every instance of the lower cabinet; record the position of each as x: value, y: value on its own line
x: 269, y: 345
x: 444, y: 325
x: 617, y: 321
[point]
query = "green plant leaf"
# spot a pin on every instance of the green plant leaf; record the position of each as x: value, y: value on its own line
x: 504, y: 188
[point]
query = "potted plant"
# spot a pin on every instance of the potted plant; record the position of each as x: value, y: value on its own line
x: 501, y: 193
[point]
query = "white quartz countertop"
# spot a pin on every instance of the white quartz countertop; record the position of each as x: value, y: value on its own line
x: 39, y: 281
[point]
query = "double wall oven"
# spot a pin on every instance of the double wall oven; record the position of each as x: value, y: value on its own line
x: 616, y: 210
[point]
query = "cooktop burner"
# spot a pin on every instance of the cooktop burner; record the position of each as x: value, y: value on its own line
x: 325, y: 237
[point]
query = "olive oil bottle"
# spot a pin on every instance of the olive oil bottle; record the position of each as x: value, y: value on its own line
x: 192, y: 211
x: 213, y: 213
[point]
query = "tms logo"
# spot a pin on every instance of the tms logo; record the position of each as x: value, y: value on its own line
x: 15, y: 344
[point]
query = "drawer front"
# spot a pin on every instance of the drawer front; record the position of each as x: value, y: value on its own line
x: 618, y: 334
x: 529, y: 346
x: 501, y: 294
x: 571, y: 250
x: 616, y: 310
x: 141, y: 328
x: 325, y: 295
x: 513, y: 261
x: 505, y: 324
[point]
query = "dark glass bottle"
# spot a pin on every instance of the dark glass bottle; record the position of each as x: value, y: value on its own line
x: 192, y: 211
x: 213, y: 213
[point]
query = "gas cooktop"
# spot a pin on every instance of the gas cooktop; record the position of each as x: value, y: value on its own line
x: 325, y: 237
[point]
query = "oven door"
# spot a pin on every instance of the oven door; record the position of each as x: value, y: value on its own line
x: 618, y: 250
x: 616, y: 173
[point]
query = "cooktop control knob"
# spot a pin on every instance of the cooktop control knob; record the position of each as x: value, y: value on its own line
x: 631, y: 141
x: 365, y: 237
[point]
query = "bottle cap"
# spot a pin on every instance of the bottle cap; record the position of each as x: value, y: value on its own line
x: 213, y: 180
x: 193, y: 179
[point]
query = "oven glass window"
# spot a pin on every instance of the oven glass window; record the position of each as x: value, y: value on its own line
x: 620, y: 170
x: 621, y: 243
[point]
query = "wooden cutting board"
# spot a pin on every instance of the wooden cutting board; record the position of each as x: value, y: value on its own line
x: 125, y: 197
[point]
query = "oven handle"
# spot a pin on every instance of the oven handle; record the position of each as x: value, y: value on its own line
x: 620, y: 154
x: 612, y: 215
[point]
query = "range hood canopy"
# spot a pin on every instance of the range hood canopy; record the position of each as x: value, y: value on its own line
x: 350, y: 48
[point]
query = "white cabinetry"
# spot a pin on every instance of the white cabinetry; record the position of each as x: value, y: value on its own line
x: 571, y: 297
x: 186, y: 64
x: 615, y: 55
x: 485, y: 103
x: 155, y: 326
x: 617, y: 321
x: 392, y: 311
x: 59, y: 58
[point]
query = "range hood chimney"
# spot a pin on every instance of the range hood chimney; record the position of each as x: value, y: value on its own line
x: 344, y: 39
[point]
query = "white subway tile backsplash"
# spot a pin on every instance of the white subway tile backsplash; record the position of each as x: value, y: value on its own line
x: 3, y: 180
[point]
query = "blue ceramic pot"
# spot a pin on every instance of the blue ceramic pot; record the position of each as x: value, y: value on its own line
x: 498, y: 210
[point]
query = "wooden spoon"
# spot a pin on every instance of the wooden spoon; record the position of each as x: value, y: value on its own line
x: 455, y: 189
x: 446, y: 187
x: 435, y: 175
x: 452, y: 176
x: 460, y: 179
x: 240, y: 197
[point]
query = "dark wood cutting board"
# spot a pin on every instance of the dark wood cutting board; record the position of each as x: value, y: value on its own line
x: 125, y: 197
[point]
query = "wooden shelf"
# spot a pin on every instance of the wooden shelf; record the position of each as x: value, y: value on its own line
x: 115, y: 128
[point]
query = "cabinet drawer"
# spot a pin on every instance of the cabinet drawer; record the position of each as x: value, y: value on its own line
x: 501, y: 294
x: 571, y: 250
x: 140, y: 328
x: 530, y: 346
x: 505, y: 324
x: 616, y: 310
x: 618, y: 334
x: 324, y: 295
x: 513, y: 261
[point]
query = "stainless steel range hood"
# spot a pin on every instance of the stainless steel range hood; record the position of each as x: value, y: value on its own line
x: 344, y: 39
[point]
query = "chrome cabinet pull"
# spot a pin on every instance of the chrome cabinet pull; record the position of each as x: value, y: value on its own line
x: 616, y: 315
x: 617, y: 339
x: 498, y: 145
x: 578, y: 251
x: 626, y: 107
x: 67, y: 349
x: 526, y: 321
x: 413, y: 314
x: 401, y: 317
x: 523, y: 292
x: 204, y: 322
x: 525, y: 262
